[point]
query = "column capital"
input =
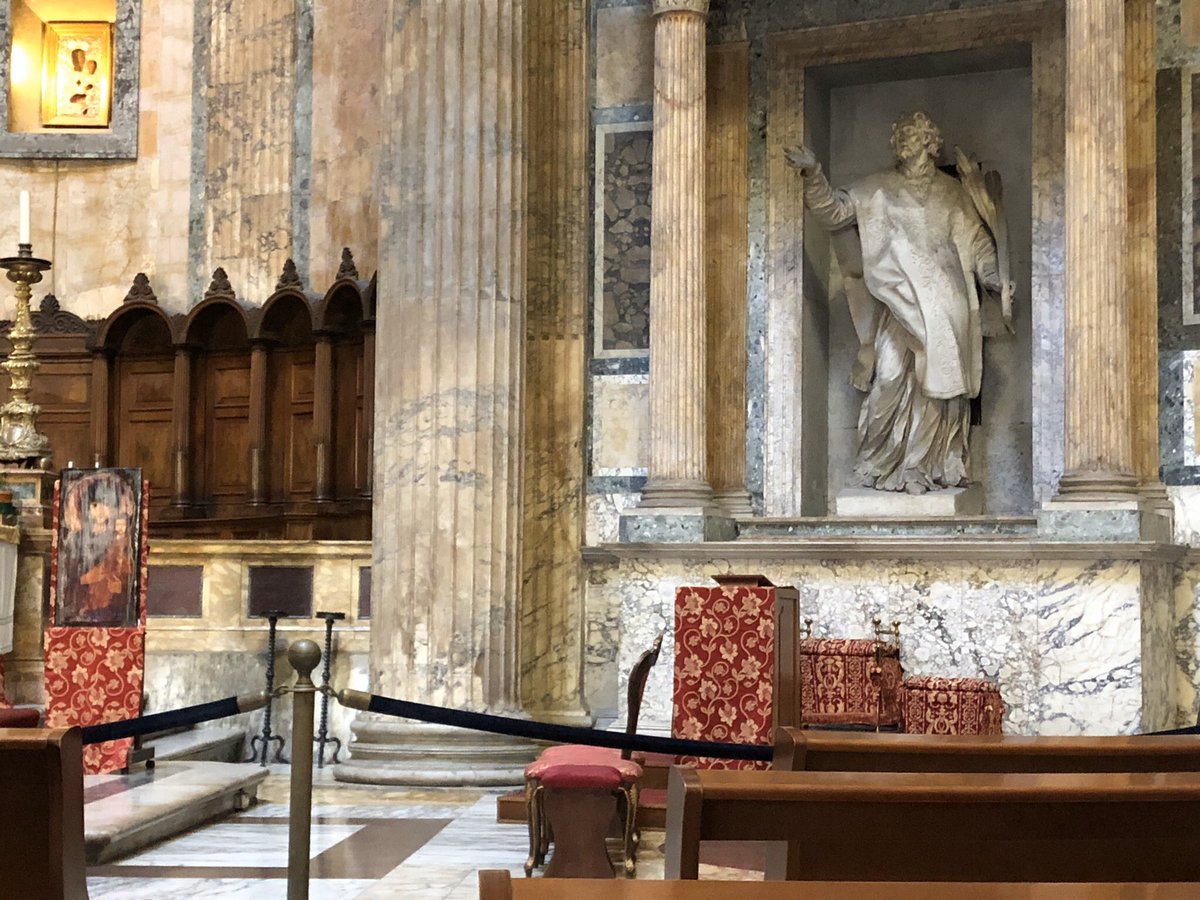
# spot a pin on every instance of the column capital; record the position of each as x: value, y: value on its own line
x: 699, y: 7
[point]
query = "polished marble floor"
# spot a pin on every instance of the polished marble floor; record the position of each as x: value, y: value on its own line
x: 367, y: 842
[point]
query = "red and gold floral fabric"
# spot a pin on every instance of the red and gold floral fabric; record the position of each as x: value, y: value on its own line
x: 934, y: 705
x: 838, y: 687
x: 4, y: 704
x: 96, y: 675
x: 724, y: 668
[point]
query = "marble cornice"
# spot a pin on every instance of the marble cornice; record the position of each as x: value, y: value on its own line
x: 860, y: 548
x: 255, y: 550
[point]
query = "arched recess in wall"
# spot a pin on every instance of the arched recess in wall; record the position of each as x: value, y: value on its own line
x: 285, y: 332
x: 219, y: 414
x: 136, y: 343
x: 341, y: 323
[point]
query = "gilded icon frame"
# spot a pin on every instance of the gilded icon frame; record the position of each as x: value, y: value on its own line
x: 77, y: 74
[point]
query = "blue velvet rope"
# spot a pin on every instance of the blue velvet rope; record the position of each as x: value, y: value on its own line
x: 565, y: 734
x: 188, y: 715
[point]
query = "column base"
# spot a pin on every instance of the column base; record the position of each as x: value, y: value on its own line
x: 575, y: 718
x: 385, y: 750
x: 1156, y: 499
x: 677, y: 525
x: 736, y: 503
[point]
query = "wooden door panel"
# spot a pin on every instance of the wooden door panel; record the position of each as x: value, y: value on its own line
x: 142, y: 425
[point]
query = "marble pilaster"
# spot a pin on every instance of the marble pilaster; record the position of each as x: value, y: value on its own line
x: 1098, y: 457
x: 726, y: 259
x: 677, y: 504
x: 446, y: 575
x: 1141, y: 70
x: 251, y: 140
x: 552, y: 570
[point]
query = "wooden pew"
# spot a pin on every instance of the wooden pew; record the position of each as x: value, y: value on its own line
x: 499, y: 885
x: 41, y: 801
x: 895, y: 826
x: 798, y: 750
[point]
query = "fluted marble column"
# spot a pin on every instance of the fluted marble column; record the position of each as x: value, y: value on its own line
x: 677, y: 504
x: 1141, y: 70
x: 448, y: 416
x: 1098, y: 454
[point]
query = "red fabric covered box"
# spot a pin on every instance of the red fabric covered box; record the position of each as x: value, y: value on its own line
x: 934, y: 705
x: 850, y: 682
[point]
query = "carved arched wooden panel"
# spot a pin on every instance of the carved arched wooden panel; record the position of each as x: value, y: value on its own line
x: 290, y: 394
x: 142, y: 403
x: 221, y: 408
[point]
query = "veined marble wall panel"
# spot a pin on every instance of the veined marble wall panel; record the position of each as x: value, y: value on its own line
x: 1186, y: 500
x: 251, y: 141
x: 101, y: 222
x: 1073, y: 644
x: 194, y: 660
x: 621, y: 425
x: 347, y: 83
x: 604, y: 516
x: 1186, y: 635
x: 624, y: 54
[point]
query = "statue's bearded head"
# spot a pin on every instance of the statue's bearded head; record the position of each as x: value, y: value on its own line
x: 915, y: 136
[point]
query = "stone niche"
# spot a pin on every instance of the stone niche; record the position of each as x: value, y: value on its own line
x: 986, y: 113
x: 839, y: 89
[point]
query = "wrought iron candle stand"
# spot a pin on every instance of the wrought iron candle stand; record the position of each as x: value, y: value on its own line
x: 266, y: 738
x: 20, y: 441
x: 323, y: 737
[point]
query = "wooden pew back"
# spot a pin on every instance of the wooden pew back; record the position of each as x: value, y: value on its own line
x: 41, y: 799
x: 498, y: 885
x: 798, y: 750
x: 884, y: 826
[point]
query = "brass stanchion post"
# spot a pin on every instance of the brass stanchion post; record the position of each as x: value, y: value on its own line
x: 304, y: 657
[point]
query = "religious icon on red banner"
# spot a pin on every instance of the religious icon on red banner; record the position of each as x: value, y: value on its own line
x: 99, y: 536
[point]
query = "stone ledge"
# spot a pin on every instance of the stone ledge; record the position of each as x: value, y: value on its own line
x: 941, y: 548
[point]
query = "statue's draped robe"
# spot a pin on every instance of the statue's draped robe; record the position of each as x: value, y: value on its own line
x: 923, y: 249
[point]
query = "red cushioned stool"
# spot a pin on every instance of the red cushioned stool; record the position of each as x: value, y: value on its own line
x: 576, y: 756
x: 934, y: 705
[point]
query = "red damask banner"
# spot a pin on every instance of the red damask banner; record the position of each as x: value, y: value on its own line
x: 96, y: 674
x: 724, y: 668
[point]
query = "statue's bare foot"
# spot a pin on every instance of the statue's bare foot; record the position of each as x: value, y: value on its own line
x: 915, y: 487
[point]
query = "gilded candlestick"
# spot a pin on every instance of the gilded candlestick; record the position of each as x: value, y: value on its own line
x: 20, y: 441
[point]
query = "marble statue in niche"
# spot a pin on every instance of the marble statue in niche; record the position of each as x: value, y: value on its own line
x: 918, y: 249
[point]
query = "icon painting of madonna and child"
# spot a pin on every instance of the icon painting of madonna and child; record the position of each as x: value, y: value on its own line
x: 99, y: 538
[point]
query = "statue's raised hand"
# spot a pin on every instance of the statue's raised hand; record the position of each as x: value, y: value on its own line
x: 802, y: 158
x: 1007, y: 290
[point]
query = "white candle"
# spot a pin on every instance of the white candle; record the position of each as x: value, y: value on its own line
x: 24, y: 239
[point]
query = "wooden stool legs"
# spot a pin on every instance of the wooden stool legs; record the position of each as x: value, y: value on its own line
x: 579, y: 848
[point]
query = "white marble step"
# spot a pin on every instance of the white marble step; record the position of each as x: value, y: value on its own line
x: 124, y: 813
x: 209, y: 743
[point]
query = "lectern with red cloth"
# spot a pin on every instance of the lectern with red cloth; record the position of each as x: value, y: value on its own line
x: 735, y: 664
